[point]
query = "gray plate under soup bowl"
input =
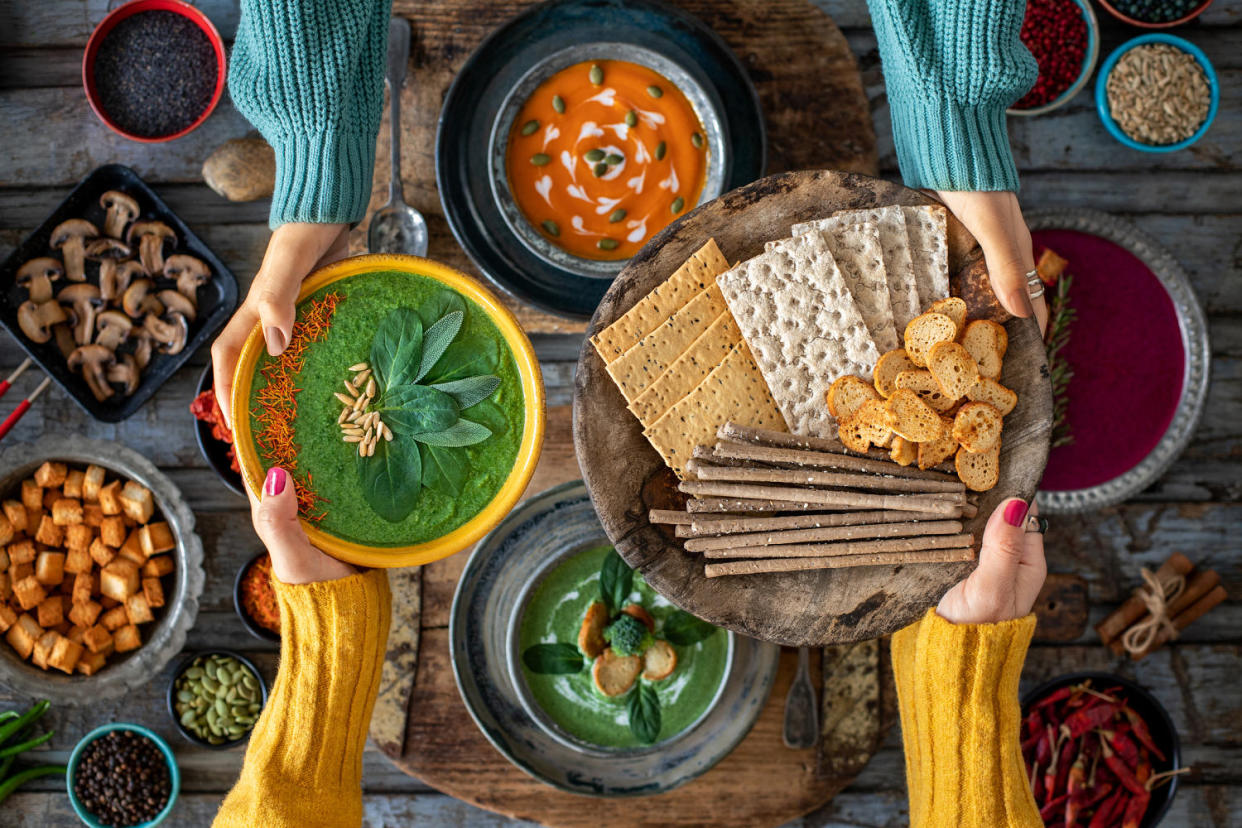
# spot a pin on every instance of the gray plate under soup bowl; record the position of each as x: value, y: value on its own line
x: 498, y: 576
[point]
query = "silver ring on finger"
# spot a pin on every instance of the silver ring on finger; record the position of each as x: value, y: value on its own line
x: 1037, y: 523
x: 1034, y: 284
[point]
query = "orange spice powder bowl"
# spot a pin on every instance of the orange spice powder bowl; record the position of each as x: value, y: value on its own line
x: 529, y: 376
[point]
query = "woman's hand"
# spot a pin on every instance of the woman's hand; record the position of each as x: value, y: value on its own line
x: 1010, y: 573
x: 293, y: 252
x: 995, y: 220
x: 294, y: 560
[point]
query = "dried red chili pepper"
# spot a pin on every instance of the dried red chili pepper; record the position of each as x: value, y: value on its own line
x: 1125, y: 775
x: 1074, y: 789
x: 1141, y: 732
x: 1052, y: 807
x: 1089, y: 719
x: 1052, y: 698
x: 1050, y: 775
x: 1135, y: 809
x: 1063, y: 766
x: 1110, y: 809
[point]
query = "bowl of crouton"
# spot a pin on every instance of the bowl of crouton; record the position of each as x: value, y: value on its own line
x: 100, y: 569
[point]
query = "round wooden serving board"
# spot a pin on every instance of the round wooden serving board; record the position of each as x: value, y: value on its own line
x: 626, y: 477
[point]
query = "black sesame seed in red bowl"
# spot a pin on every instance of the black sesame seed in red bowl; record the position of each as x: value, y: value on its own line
x: 122, y: 775
x: 1062, y: 35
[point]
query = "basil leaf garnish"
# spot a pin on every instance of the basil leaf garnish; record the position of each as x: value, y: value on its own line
x: 436, y: 339
x: 396, y: 350
x: 391, y: 478
x: 444, y: 468
x: 470, y: 390
x: 415, y: 409
x: 469, y: 356
x: 616, y: 579
x: 644, y: 710
x: 460, y: 433
x: 439, y: 306
x: 685, y: 630
x: 552, y: 659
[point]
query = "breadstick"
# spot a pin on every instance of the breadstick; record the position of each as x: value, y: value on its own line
x: 724, y: 525
x: 701, y: 505
x: 733, y: 433
x: 916, y: 531
x: 940, y: 504
x: 672, y: 516
x: 716, y: 570
x: 832, y: 550
x: 814, y: 477
x: 822, y: 459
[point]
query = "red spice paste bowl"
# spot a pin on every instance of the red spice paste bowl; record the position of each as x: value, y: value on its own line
x: 1146, y: 24
x: 109, y: 22
x: 252, y: 626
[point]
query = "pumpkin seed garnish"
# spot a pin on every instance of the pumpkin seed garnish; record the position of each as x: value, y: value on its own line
x: 558, y: 103
x: 552, y: 228
x: 661, y: 149
x: 596, y: 74
x: 594, y: 156
x: 529, y: 127
x: 540, y: 159
x: 655, y: 91
x: 613, y: 159
x: 607, y: 244
x: 617, y: 215
x: 677, y: 204
x: 631, y: 118
x: 697, y: 140
x: 600, y: 169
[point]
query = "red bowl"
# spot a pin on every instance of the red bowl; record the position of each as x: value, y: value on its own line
x: 129, y: 10
x: 1143, y: 24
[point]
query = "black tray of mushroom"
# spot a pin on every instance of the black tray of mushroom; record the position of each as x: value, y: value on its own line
x: 113, y: 293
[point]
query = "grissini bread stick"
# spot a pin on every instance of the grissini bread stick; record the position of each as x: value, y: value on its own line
x: 814, y: 477
x: 703, y: 525
x: 940, y: 504
x: 827, y: 533
x: 735, y: 433
x: 707, y: 505
x: 844, y: 548
x: 716, y: 570
x: 824, y: 460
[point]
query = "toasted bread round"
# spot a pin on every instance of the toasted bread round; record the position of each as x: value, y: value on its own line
x: 903, y: 451
x: 641, y: 614
x: 659, y: 661
x: 954, y: 369
x: 934, y: 452
x: 871, y: 424
x: 987, y: 342
x: 955, y: 309
x: 614, y: 674
x: 977, y: 427
x: 591, y: 633
x: 887, y: 369
x: 926, y: 330
x: 990, y: 391
x: 921, y: 382
x: 979, y: 472
x: 912, y: 418
x: 847, y: 394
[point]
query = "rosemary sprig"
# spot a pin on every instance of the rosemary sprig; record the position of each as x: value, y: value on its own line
x: 1061, y: 317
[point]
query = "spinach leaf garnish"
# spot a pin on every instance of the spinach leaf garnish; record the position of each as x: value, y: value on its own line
x: 616, y: 579
x: 388, y: 478
x: 552, y: 659
x: 685, y: 630
x: 644, y: 710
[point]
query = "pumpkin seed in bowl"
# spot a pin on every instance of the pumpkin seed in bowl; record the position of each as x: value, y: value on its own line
x: 216, y: 698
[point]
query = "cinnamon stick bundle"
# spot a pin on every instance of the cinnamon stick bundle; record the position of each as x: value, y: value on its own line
x: 823, y: 460
x: 1185, y: 618
x: 826, y: 533
x: 725, y: 525
x: 847, y: 549
x: 1133, y: 608
x: 754, y: 567
x: 946, y: 505
x: 1200, y: 583
x: 815, y: 477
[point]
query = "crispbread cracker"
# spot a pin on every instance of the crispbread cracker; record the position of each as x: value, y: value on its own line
x: 733, y: 392
x: 639, y: 367
x: 687, y: 282
x: 928, y: 229
x: 688, y: 370
x: 802, y: 325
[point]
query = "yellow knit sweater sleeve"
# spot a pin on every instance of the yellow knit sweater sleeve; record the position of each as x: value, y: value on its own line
x: 957, y: 692
x: 304, y: 764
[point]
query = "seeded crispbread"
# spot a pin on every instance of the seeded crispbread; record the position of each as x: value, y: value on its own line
x: 802, y: 325
x: 688, y: 370
x: 733, y: 392
x: 688, y: 281
x: 638, y: 368
x: 928, y: 230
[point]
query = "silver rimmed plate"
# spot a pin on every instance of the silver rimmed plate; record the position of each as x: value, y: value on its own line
x: 489, y: 595
x: 1192, y: 328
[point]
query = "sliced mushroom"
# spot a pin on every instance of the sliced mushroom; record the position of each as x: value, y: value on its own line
x: 103, y: 249
x: 37, y: 275
x: 142, y: 347
x: 174, y: 301
x: 112, y: 329
x: 125, y: 373
x: 137, y: 300
x: 84, y: 302
x: 190, y: 272
x: 122, y: 209
x: 92, y: 361
x: 69, y: 238
x: 63, y: 334
x: 151, y: 236
x: 114, y: 280
x: 170, y: 332
x: 37, y: 318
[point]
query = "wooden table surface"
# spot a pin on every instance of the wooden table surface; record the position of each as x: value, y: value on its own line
x: 1191, y: 201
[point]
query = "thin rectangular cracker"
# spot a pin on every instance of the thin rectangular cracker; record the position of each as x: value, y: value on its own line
x: 799, y: 319
x: 734, y: 391
x: 640, y: 366
x: 699, y: 271
x: 688, y: 370
x: 928, y: 228
x: 903, y: 288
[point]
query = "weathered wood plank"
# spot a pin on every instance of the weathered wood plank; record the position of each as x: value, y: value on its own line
x: 195, y: 204
x: 70, y: 22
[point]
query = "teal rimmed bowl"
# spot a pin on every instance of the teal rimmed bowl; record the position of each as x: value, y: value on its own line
x: 174, y: 774
x: 1101, y: 91
x: 1088, y: 65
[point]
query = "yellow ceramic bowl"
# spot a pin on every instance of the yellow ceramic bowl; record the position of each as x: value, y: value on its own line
x: 528, y: 451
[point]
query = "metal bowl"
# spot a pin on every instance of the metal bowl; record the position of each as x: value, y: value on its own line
x: 166, y: 636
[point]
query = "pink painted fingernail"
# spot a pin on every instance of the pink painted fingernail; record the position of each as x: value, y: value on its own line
x: 1015, y: 512
x: 275, y: 338
x: 275, y: 482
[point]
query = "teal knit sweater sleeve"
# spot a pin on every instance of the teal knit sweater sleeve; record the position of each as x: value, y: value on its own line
x: 309, y: 74
x: 952, y: 68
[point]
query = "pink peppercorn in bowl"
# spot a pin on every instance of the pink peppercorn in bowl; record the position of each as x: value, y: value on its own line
x: 1064, y: 37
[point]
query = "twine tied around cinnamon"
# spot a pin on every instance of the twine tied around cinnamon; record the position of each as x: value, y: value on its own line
x: 1156, y: 595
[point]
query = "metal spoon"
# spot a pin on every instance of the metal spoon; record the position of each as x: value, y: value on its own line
x: 801, y: 707
x: 397, y: 227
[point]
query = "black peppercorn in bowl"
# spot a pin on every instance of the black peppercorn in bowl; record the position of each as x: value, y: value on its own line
x: 231, y: 702
x: 80, y: 777
x: 1155, y: 14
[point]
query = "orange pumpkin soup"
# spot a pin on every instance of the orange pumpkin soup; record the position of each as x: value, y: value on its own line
x: 603, y: 155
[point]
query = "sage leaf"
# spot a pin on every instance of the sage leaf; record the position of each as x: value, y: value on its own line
x: 460, y: 433
x: 396, y: 350
x: 644, y: 710
x: 469, y: 356
x: 416, y: 409
x: 471, y: 390
x: 436, y: 339
x: 685, y: 630
x: 490, y: 415
x: 444, y: 468
x: 552, y: 659
x: 616, y: 579
x: 439, y: 306
x: 391, y: 478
